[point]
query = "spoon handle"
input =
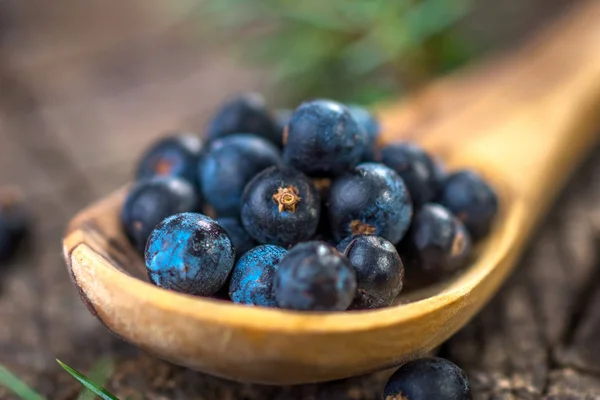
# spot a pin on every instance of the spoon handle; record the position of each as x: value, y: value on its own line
x: 525, y: 119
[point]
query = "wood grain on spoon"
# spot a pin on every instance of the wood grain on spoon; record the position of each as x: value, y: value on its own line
x: 524, y: 120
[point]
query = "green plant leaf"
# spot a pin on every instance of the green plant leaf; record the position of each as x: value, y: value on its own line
x: 99, y: 375
x: 17, y: 386
x: 350, y: 50
x: 85, y: 381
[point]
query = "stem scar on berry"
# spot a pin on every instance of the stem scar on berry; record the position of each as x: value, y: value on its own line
x: 396, y: 397
x: 163, y: 167
x: 287, y: 198
x: 358, y: 227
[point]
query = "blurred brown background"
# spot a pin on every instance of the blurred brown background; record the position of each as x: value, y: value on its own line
x: 85, y: 86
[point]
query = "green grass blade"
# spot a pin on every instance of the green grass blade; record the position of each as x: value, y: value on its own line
x: 99, y: 374
x: 17, y: 386
x: 85, y: 381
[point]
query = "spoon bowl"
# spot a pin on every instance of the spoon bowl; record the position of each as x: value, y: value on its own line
x: 523, y: 120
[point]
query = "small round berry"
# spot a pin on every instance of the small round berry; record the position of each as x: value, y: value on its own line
x: 472, y: 200
x: 371, y: 199
x: 246, y: 113
x: 379, y: 270
x: 314, y: 276
x: 152, y: 200
x: 189, y: 253
x: 428, y: 379
x: 229, y: 164
x: 371, y: 127
x: 416, y: 168
x: 15, y: 224
x: 253, y: 275
x: 323, y: 139
x: 438, y: 241
x: 281, y: 206
x: 242, y: 241
x: 174, y: 156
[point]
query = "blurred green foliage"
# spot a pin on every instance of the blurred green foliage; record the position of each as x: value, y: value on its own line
x: 92, y: 385
x: 353, y: 50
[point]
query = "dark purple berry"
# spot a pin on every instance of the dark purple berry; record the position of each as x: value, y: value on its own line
x: 428, y: 379
x: 281, y: 206
x: 472, y: 200
x: 227, y: 167
x: 247, y: 113
x: 379, y: 270
x: 371, y: 127
x: 416, y: 168
x: 438, y: 241
x: 322, y: 139
x: 314, y: 276
x: 370, y: 199
x: 152, y: 200
x: 253, y: 276
x: 189, y: 253
x: 238, y: 235
x: 172, y: 156
x: 15, y: 224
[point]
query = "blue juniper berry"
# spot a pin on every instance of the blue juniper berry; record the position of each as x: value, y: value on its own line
x: 468, y: 196
x: 379, y: 270
x: 428, y: 379
x: 416, y: 168
x: 323, y: 139
x: 229, y: 164
x: 246, y: 113
x: 314, y: 276
x: 253, y: 275
x: 370, y: 199
x: 281, y: 206
x: 175, y: 155
x: 152, y: 200
x: 189, y: 253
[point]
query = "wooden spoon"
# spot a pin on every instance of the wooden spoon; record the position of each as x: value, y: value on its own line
x: 524, y: 121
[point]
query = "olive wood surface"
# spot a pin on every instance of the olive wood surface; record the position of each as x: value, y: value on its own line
x: 524, y: 120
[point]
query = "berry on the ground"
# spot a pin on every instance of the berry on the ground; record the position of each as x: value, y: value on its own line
x: 15, y: 223
x: 428, y: 379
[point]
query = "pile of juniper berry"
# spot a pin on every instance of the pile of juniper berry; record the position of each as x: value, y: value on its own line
x: 302, y: 210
